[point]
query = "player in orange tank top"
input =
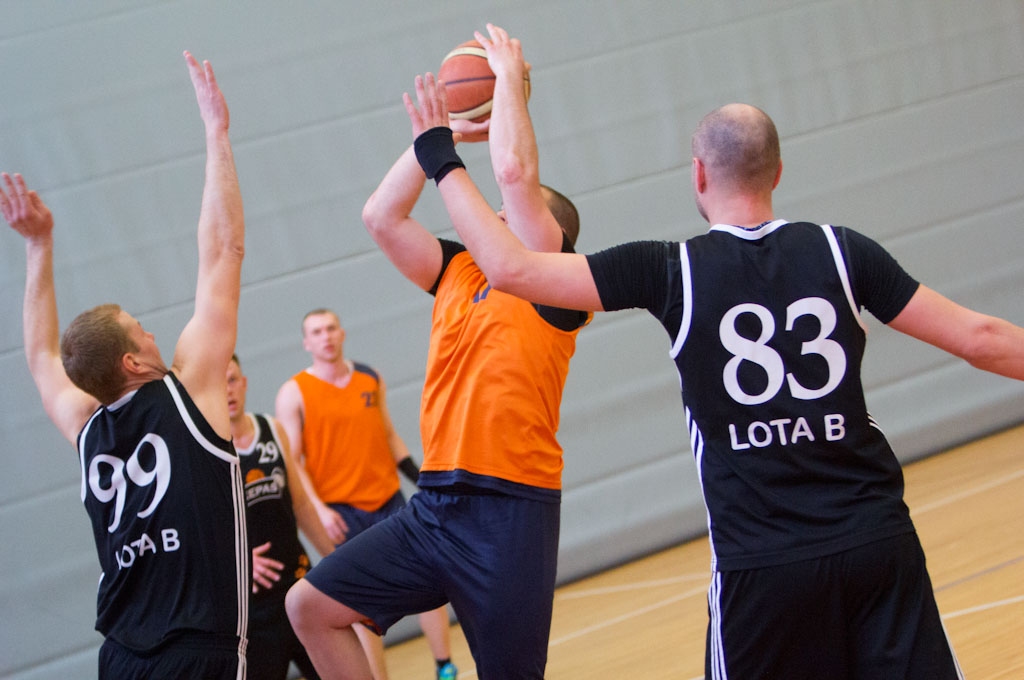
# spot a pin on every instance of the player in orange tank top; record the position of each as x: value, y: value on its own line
x: 348, y: 454
x: 482, y: 532
x: 346, y: 438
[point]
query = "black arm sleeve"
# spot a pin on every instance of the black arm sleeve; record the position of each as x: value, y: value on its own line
x: 409, y: 469
x: 879, y: 283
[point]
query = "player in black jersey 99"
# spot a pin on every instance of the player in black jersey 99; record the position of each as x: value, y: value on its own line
x: 161, y: 482
x: 817, y: 569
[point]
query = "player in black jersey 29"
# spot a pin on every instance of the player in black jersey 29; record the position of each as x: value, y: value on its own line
x: 276, y: 506
x: 160, y: 479
x: 817, y: 569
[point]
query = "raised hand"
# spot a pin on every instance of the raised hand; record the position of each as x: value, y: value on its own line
x: 23, y: 209
x: 504, y: 54
x: 212, y: 106
x: 432, y: 101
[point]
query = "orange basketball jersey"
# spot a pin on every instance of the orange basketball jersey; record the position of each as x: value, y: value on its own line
x: 345, y: 441
x: 495, y: 374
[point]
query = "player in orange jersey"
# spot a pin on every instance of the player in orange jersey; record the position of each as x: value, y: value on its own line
x: 335, y: 414
x: 482, y: 532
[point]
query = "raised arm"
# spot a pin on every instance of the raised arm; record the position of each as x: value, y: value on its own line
x: 388, y: 218
x: 66, y: 405
x: 556, y: 279
x: 205, y: 345
x: 986, y: 342
x: 516, y: 166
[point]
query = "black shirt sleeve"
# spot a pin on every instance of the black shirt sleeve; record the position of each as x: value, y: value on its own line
x: 640, y: 274
x: 449, y: 249
x: 879, y: 283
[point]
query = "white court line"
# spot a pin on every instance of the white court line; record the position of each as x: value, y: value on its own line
x: 632, y: 586
x: 471, y: 673
x: 927, y: 507
x: 625, y: 617
x: 952, y: 498
x: 983, y: 607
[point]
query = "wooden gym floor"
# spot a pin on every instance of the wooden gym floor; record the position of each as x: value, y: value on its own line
x: 647, y: 619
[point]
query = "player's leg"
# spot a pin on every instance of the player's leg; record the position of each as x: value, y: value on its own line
x: 375, y: 578
x: 896, y: 629
x: 271, y: 643
x: 499, y: 571
x: 436, y: 629
x: 324, y: 626
x: 373, y: 647
x: 301, y: 657
x: 776, y: 622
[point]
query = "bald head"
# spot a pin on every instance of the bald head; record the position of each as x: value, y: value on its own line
x: 739, y: 147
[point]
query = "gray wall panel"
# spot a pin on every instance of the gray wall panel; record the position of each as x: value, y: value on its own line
x: 901, y: 120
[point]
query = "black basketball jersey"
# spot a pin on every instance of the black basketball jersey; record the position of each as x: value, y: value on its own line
x: 269, y: 511
x: 164, y: 494
x: 768, y: 341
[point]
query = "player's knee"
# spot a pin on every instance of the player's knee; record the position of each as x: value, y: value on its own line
x: 299, y: 603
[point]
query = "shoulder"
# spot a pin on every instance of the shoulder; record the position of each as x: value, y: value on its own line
x: 289, y: 395
x: 365, y: 369
x: 449, y: 249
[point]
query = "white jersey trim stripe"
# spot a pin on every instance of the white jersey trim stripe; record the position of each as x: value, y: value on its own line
x: 81, y: 449
x: 844, y: 276
x: 242, y: 564
x: 684, y: 323
x: 202, y: 440
x: 716, y: 653
x: 755, y: 234
x: 238, y: 501
x: 697, y: 447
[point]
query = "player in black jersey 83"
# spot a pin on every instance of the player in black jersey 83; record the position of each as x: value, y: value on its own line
x: 817, y: 570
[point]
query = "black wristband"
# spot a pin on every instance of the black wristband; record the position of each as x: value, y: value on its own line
x: 435, y: 151
x: 409, y: 469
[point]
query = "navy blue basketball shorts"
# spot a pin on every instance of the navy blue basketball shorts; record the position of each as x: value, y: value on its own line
x: 209, y: 657
x: 492, y: 556
x: 359, y: 521
x: 865, y: 614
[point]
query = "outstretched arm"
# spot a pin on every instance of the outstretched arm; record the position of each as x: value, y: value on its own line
x: 986, y: 342
x: 205, y: 345
x: 556, y: 279
x: 66, y: 405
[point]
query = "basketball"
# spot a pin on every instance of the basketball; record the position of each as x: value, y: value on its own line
x: 469, y: 82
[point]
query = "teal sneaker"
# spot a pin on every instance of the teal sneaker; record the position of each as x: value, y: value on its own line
x: 447, y: 672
